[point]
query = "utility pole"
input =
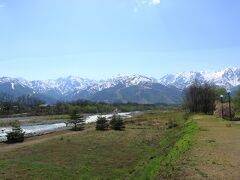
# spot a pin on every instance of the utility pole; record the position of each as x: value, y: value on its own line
x: 222, y: 104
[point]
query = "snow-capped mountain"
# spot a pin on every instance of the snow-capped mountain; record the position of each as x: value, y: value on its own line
x: 227, y: 78
x: 125, y: 88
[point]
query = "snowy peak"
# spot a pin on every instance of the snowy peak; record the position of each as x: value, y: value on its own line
x: 125, y: 80
x: 73, y: 83
x: 62, y: 85
x: 181, y: 80
x: 14, y: 81
x: 227, y: 78
x: 132, y: 80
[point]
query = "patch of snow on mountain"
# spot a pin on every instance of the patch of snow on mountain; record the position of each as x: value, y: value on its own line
x: 13, y: 86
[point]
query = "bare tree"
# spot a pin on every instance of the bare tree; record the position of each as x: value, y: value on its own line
x: 200, y: 98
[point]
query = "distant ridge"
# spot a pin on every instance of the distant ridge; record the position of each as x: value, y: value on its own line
x: 123, y: 89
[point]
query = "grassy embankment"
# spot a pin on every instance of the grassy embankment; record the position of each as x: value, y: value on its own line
x: 173, y: 145
x: 146, y: 149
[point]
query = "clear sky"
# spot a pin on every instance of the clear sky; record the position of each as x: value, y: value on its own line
x: 45, y: 39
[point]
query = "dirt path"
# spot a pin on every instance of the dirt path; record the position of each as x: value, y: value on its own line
x: 216, y: 152
x: 35, y: 140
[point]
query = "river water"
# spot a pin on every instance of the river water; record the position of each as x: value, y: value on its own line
x: 34, y: 130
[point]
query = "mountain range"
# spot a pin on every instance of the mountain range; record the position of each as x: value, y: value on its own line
x: 122, y: 89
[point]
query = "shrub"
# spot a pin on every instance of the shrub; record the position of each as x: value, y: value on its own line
x: 117, y: 123
x: 171, y: 124
x: 186, y: 115
x: 102, y: 124
x: 16, y: 135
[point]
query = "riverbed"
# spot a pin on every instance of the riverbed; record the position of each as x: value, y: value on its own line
x: 35, y: 130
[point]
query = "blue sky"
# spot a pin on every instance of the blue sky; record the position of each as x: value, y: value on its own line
x: 42, y: 39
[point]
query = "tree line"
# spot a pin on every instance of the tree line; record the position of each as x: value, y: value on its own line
x: 15, y: 105
x: 29, y: 105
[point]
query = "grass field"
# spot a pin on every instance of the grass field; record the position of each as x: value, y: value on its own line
x: 145, y: 149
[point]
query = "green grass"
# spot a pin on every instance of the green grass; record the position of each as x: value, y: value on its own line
x: 145, y: 149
